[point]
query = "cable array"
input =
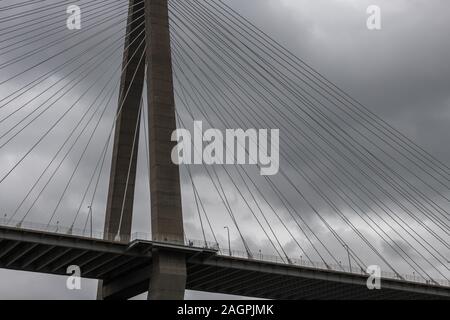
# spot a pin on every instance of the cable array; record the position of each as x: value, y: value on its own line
x: 350, y: 186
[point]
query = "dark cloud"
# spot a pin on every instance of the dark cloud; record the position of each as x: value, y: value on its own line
x: 401, y: 73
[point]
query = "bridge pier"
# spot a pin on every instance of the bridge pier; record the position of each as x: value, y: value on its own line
x: 168, y: 277
x: 168, y: 269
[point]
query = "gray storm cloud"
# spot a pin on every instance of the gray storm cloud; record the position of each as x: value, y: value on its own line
x: 401, y: 73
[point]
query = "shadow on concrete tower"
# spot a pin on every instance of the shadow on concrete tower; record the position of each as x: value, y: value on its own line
x: 148, y: 23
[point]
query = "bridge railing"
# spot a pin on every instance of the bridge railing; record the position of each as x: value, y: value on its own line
x: 334, y: 267
x: 78, y: 232
x: 34, y: 226
x: 168, y: 239
x: 207, y: 245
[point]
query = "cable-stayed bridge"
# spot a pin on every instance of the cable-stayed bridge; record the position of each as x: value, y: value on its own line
x: 351, y: 191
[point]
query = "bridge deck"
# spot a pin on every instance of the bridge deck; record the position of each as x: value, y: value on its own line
x: 119, y: 263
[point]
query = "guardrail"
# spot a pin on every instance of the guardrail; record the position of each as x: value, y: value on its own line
x: 167, y: 239
x: 210, y: 246
x: 113, y: 237
x: 334, y: 267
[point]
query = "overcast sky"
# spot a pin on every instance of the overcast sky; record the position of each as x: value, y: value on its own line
x: 401, y: 73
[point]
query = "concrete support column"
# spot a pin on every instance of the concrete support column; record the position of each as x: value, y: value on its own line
x: 168, y: 270
x: 130, y: 96
x: 168, y: 278
x: 125, y: 130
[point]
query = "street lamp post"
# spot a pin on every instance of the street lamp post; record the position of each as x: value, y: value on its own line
x: 229, y: 243
x: 349, y: 261
x: 90, y: 214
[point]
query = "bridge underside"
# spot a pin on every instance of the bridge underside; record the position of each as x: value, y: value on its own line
x: 125, y: 270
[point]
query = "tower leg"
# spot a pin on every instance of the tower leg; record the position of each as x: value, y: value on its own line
x: 168, y: 278
x: 118, y: 221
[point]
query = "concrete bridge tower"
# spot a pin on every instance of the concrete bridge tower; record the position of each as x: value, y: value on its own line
x: 168, y: 269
